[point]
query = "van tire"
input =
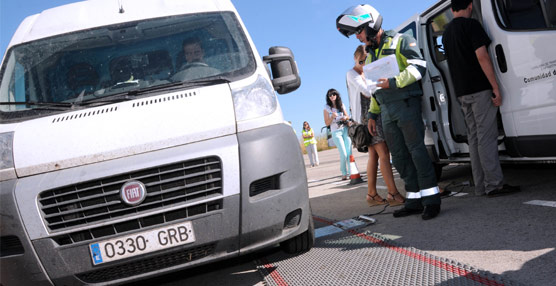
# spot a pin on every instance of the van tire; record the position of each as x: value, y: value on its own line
x: 301, y: 243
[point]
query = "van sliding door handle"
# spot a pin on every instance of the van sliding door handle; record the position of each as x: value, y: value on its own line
x: 435, y: 78
x: 501, y: 58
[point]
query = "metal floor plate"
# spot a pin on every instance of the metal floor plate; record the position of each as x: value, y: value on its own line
x: 353, y: 258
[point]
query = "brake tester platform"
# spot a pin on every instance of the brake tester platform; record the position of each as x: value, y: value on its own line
x: 348, y: 253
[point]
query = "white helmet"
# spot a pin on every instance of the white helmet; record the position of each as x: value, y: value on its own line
x: 357, y: 18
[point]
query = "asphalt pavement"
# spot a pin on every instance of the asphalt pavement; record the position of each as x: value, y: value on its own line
x: 512, y: 235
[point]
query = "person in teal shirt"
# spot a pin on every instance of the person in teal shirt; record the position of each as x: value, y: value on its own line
x: 337, y: 118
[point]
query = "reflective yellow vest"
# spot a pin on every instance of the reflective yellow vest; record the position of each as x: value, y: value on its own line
x: 412, y: 68
x: 307, y: 141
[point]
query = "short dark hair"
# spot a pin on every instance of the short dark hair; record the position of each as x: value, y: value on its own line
x: 190, y: 41
x: 460, y: 4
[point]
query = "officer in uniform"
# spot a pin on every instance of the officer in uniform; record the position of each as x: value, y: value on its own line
x: 400, y: 104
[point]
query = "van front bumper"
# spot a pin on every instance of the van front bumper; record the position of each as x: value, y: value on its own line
x: 268, y: 204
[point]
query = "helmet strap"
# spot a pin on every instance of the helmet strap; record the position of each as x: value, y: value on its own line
x: 373, y: 42
x: 372, y: 33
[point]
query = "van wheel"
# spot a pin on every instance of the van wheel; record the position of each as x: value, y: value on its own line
x: 302, y: 242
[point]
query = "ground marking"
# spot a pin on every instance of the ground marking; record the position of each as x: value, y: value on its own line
x: 541, y: 203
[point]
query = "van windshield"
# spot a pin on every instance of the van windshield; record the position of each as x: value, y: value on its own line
x: 100, y: 65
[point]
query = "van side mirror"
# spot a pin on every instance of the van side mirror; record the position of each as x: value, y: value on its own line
x: 285, y: 77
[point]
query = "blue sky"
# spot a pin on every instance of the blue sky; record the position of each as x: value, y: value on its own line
x: 307, y: 27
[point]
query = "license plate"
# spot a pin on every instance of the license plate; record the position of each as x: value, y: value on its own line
x: 142, y: 242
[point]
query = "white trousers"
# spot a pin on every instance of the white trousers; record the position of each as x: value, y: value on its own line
x: 312, y: 153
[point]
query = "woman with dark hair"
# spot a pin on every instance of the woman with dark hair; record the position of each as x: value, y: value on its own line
x: 336, y: 117
x: 310, y: 144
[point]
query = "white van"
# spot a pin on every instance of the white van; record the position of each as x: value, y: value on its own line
x: 122, y: 158
x: 523, y: 34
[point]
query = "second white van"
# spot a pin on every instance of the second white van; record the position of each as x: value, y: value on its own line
x: 523, y: 34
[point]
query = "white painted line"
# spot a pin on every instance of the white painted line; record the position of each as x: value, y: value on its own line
x: 324, y: 192
x: 541, y: 203
x: 363, y: 175
x: 333, y: 180
x: 460, y: 194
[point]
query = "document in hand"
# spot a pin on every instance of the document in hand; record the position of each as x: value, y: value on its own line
x: 386, y: 67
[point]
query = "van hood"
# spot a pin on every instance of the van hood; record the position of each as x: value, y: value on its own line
x: 113, y: 131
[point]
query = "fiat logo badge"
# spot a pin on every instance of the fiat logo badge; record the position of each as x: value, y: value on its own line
x: 133, y: 193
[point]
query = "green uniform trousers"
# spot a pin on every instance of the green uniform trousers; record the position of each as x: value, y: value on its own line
x: 404, y: 132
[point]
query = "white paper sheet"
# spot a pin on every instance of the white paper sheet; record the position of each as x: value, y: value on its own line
x: 386, y: 67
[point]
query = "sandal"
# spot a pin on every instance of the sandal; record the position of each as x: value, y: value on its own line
x: 372, y: 202
x: 393, y: 202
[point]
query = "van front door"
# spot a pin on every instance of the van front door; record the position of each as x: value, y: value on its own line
x: 450, y: 124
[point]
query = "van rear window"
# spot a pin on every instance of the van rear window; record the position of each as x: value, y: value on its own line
x: 84, y: 67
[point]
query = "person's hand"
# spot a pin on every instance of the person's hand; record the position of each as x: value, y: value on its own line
x: 383, y: 83
x: 334, y: 115
x: 371, y: 125
x: 497, y: 98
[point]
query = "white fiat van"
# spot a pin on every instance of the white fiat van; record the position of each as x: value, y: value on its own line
x: 523, y: 34
x: 143, y: 137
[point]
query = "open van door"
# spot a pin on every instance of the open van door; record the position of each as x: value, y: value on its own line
x: 522, y: 34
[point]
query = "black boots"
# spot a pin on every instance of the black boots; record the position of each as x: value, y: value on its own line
x: 430, y: 211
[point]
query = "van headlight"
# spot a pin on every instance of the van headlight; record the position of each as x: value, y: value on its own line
x: 255, y: 100
x: 6, y: 156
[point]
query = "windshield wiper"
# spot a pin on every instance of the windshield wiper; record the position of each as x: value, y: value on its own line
x: 181, y: 84
x: 42, y: 105
x: 109, y: 99
x: 131, y: 94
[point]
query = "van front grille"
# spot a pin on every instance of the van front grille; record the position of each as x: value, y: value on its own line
x: 10, y: 245
x: 99, y: 200
x: 139, y: 223
x: 265, y: 184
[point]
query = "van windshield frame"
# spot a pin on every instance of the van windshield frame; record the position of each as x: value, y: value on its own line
x: 59, y: 73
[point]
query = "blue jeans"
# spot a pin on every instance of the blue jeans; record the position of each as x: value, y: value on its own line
x: 343, y: 143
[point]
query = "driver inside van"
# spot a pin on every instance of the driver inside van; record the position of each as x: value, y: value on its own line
x: 194, y: 65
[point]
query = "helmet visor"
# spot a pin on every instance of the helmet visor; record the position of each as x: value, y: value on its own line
x: 346, y: 32
x: 347, y: 27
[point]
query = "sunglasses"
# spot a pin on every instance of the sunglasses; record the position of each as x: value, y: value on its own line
x: 359, y: 30
x: 332, y: 95
x: 362, y: 62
